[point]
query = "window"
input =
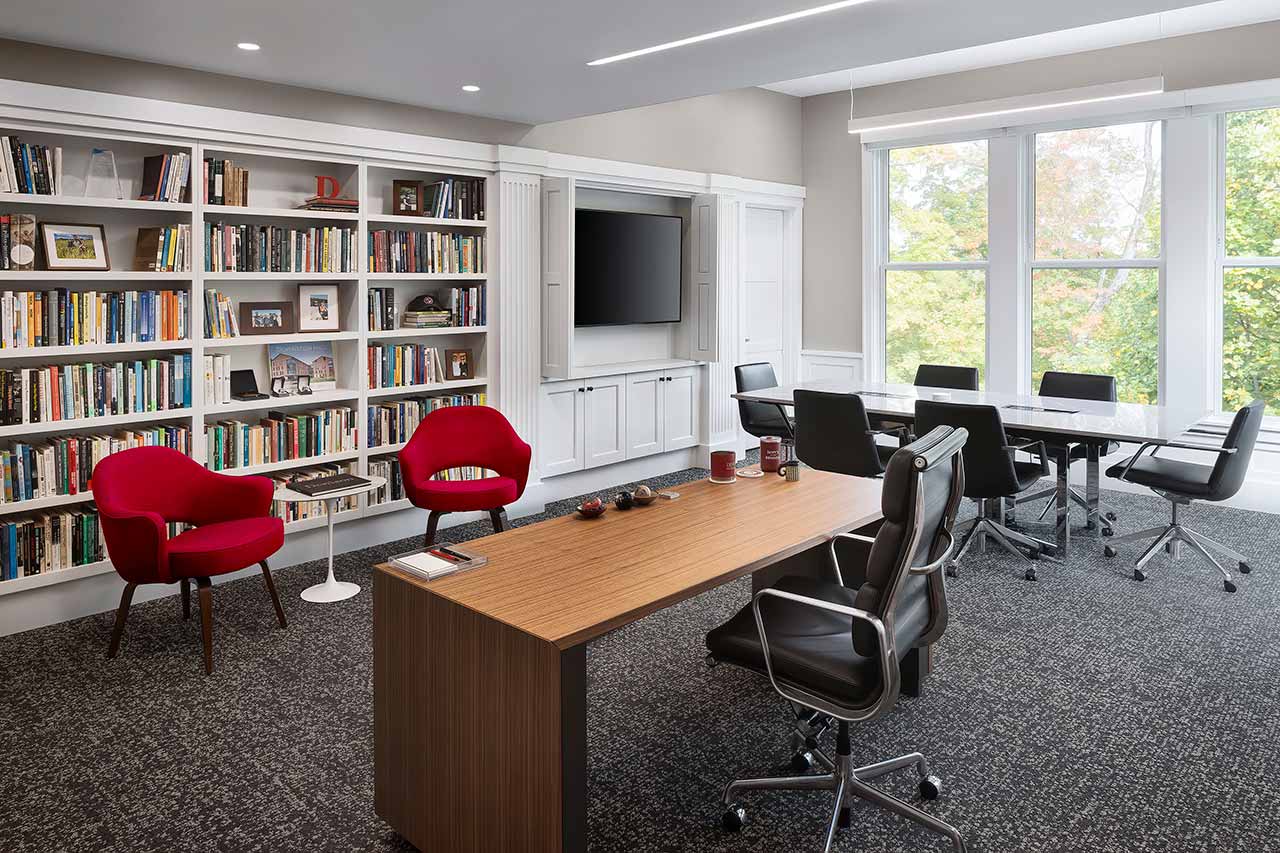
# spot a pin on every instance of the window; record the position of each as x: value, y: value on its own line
x: 1251, y: 263
x: 937, y: 258
x: 1095, y: 282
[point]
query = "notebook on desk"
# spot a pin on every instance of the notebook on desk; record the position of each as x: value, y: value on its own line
x: 437, y: 561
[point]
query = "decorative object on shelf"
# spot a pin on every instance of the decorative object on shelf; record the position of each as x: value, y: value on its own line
x: 408, y: 198
x: 305, y: 366
x: 770, y: 453
x: 244, y: 386
x: 74, y: 247
x: 723, y: 465
x: 266, y: 318
x: 318, y: 308
x: 459, y: 364
x: 624, y: 500
x: 327, y: 197
x: 163, y: 249
x: 21, y: 240
x: 425, y: 312
x: 644, y: 495
x: 102, y: 180
x: 591, y: 508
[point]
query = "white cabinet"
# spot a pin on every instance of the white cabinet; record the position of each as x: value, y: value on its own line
x: 645, y: 413
x: 561, y: 410
x: 605, y: 421
x: 681, y: 398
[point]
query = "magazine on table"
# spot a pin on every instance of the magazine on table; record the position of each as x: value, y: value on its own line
x: 437, y: 561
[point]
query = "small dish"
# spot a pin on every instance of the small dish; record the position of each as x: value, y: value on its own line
x: 750, y: 473
x: 594, y: 512
x: 645, y: 500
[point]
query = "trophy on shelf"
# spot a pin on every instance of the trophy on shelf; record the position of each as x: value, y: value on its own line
x: 102, y: 180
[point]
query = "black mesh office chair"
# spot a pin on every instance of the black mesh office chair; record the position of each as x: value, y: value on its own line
x: 834, y: 646
x: 947, y: 376
x: 992, y: 473
x: 761, y: 419
x: 1180, y: 483
x: 1076, y: 386
x: 833, y: 433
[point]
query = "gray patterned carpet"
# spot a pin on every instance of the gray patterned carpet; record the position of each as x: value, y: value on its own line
x: 1085, y: 712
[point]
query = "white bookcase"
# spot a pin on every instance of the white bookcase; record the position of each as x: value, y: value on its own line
x: 280, y: 179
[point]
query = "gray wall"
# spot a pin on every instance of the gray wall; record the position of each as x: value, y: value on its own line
x: 833, y: 215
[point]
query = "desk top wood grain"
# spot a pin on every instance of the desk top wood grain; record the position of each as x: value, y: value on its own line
x: 569, y: 580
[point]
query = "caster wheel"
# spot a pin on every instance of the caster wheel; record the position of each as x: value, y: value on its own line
x: 734, y: 818
x: 802, y: 762
x: 1030, y: 575
x: 1033, y: 554
x: 1245, y: 568
x: 950, y: 571
x: 1107, y: 531
x: 1109, y: 551
x: 1139, y: 575
x: 930, y: 788
x: 844, y: 819
x: 1111, y: 516
x: 1228, y: 586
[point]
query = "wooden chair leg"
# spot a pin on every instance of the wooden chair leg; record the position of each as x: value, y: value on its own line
x: 186, y: 598
x: 206, y: 621
x: 122, y: 613
x: 499, y: 518
x: 433, y: 522
x: 275, y: 599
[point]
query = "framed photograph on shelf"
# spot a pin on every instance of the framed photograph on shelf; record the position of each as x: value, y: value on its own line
x: 75, y: 247
x: 301, y: 368
x: 459, y: 365
x: 266, y: 318
x: 408, y: 198
x: 318, y: 308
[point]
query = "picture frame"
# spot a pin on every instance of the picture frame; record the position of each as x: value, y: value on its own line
x: 267, y: 318
x: 458, y: 364
x: 408, y: 198
x: 301, y: 368
x: 75, y: 247
x: 318, y: 308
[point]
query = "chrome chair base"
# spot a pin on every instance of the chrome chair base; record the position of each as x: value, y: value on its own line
x: 848, y: 783
x: 1106, y: 514
x: 1171, y: 537
x: 985, y: 526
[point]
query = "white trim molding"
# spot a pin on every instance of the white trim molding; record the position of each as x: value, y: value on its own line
x: 816, y: 364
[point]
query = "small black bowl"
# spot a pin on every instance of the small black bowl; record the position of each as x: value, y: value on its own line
x: 624, y: 500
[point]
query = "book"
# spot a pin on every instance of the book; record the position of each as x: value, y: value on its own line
x: 340, y: 205
x: 274, y: 248
x: 425, y: 252
x: 392, y: 422
x: 165, y: 177
x: 225, y: 183
x: 64, y: 317
x: 22, y: 242
x: 59, y: 392
x: 163, y: 249
x: 327, y: 485
x: 438, y: 561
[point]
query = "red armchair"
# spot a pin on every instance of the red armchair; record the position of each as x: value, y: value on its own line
x: 139, y: 491
x: 459, y: 436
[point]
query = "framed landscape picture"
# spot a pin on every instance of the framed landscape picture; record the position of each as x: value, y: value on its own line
x: 266, y: 318
x: 75, y: 247
x: 318, y: 308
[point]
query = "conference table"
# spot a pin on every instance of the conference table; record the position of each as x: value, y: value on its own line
x: 1089, y: 423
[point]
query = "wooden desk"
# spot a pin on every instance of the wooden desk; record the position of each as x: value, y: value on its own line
x: 480, y: 678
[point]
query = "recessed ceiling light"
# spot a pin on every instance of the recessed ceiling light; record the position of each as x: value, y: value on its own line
x: 248, y: 45
x: 729, y: 31
x: 471, y: 87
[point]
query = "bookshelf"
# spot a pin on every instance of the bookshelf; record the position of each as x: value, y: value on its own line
x: 280, y: 179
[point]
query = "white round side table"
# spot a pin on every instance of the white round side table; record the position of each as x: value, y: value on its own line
x: 332, y: 589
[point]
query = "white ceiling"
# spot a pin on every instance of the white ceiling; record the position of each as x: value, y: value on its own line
x: 529, y: 58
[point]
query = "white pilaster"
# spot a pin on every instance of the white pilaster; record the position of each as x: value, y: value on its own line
x: 722, y: 410
x: 517, y: 300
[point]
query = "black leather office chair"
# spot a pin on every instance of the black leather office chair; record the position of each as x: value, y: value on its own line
x: 834, y: 646
x: 992, y: 473
x: 761, y: 419
x: 1076, y: 386
x: 833, y: 433
x: 1180, y: 483
x: 947, y: 376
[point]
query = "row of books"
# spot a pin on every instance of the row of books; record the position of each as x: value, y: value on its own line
x: 225, y: 183
x: 99, y: 389
x: 220, y: 320
x: 166, y: 248
x: 468, y: 305
x: 275, y: 248
x: 394, y: 421
x: 49, y: 542
x: 63, y: 465
x: 166, y: 177
x: 425, y: 251
x: 382, y: 309
x: 62, y: 317
x: 401, y: 365
x: 29, y: 169
x: 17, y: 241
x: 303, y: 510
x: 455, y: 198
x: 217, y: 379
x: 279, y: 437
x: 388, y: 467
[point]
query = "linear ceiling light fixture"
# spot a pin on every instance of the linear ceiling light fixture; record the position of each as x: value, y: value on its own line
x: 729, y: 31
x: 1009, y: 106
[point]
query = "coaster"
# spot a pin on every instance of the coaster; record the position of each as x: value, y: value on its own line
x: 721, y: 482
x: 750, y: 473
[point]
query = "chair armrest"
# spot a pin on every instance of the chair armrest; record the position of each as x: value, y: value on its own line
x: 835, y: 559
x: 938, y: 563
x: 136, y: 541
x: 902, y: 432
x: 888, y: 656
x: 1036, y: 448
x: 227, y: 497
x: 1155, y: 447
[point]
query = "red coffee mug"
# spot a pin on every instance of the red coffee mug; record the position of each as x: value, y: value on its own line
x: 770, y: 454
x: 723, y: 465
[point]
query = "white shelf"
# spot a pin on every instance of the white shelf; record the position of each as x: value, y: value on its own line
x: 36, y: 504
x: 280, y: 276
x: 428, y: 276
x: 93, y: 202
x: 622, y: 367
x: 94, y: 423
x: 430, y: 386
x: 93, y: 275
x: 287, y: 464
x: 389, y: 506
x: 387, y: 449
x: 426, y: 333
x: 393, y: 219
x: 263, y: 340
x: 92, y: 349
x: 213, y: 212
x: 293, y: 401
x: 74, y: 573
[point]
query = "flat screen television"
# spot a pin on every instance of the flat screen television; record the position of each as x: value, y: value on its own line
x: 626, y: 268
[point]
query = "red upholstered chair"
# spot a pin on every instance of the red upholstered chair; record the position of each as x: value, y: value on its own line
x: 139, y: 491
x: 456, y: 437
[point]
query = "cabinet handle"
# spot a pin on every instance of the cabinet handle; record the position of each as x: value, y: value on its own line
x: 580, y: 390
x: 591, y: 388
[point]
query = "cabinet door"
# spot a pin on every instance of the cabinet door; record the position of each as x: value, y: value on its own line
x: 681, y: 407
x: 561, y: 412
x: 644, y: 413
x: 606, y: 420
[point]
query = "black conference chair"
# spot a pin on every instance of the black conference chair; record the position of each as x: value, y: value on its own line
x: 1181, y: 483
x: 1076, y: 386
x: 992, y: 473
x: 833, y: 433
x: 761, y: 419
x: 947, y: 376
x: 835, y: 647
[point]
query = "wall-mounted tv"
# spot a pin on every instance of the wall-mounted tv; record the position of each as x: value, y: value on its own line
x: 626, y: 268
